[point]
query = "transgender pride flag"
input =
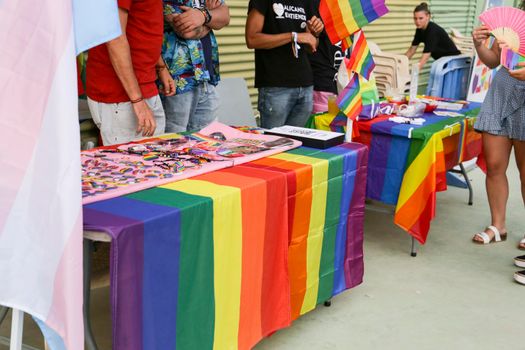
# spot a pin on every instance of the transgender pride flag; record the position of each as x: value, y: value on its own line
x: 40, y: 198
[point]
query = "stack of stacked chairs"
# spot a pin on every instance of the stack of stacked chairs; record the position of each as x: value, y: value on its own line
x: 391, y: 71
x: 449, y: 77
x: 463, y: 43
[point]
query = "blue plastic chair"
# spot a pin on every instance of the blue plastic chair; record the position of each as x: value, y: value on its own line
x: 449, y: 77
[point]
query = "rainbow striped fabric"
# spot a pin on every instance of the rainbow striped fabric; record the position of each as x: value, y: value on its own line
x: 224, y: 259
x: 360, y: 60
x: 349, y: 100
x: 408, y: 163
x: 328, y: 121
x: 343, y: 18
x: 510, y: 59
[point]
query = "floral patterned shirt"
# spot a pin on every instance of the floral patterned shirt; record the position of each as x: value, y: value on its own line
x: 185, y: 57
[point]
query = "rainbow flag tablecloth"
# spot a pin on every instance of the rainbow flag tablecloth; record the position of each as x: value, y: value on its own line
x: 224, y: 259
x: 407, y: 163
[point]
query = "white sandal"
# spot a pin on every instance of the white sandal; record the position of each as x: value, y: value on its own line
x: 521, y: 244
x: 498, y: 237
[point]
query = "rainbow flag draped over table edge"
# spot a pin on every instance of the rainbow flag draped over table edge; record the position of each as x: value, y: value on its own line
x: 211, y: 255
x: 342, y: 18
x: 432, y: 152
x: 408, y: 171
x: 360, y: 60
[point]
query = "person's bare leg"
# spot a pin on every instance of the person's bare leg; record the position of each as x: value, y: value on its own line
x: 519, y: 153
x: 496, y: 150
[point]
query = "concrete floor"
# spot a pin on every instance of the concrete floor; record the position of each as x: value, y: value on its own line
x: 453, y: 295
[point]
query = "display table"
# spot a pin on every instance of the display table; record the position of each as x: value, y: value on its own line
x: 224, y: 259
x: 407, y: 163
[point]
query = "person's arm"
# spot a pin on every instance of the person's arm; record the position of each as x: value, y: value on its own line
x: 188, y: 22
x: 256, y: 39
x: 423, y: 60
x: 411, y: 51
x: 197, y: 33
x: 167, y: 83
x: 120, y: 57
x: 220, y: 17
x: 518, y: 73
x: 489, y: 56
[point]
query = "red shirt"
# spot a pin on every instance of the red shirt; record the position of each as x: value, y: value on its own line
x: 144, y: 31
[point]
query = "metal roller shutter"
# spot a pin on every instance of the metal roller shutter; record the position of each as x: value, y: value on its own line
x: 394, y: 33
x: 236, y: 60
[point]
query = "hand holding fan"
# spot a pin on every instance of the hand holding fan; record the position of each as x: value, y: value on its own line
x: 506, y: 24
x: 510, y: 59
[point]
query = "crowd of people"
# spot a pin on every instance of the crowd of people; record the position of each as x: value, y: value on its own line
x: 170, y: 47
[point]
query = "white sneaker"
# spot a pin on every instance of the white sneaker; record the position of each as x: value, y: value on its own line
x: 519, y: 261
x: 519, y: 277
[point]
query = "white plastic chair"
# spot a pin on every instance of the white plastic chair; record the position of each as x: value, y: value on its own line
x: 235, y: 106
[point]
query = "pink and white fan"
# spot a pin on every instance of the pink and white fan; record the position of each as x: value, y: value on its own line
x: 507, y: 24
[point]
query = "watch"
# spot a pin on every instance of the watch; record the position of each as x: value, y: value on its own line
x: 207, y: 15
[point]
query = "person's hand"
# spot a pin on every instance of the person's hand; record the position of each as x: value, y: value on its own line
x: 167, y: 87
x: 315, y: 26
x: 502, y: 44
x: 145, y: 120
x: 212, y: 4
x: 518, y: 73
x: 309, y: 40
x: 187, y: 21
x: 480, y: 35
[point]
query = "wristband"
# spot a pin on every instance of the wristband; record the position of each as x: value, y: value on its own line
x: 141, y: 98
x: 207, y: 15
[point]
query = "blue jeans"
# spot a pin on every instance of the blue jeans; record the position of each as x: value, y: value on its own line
x: 285, y: 106
x: 192, y: 110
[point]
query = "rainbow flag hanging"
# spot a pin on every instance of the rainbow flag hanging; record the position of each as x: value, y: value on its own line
x: 41, y: 213
x: 342, y: 18
x: 429, y: 158
x: 360, y: 60
x: 349, y: 100
x: 223, y: 259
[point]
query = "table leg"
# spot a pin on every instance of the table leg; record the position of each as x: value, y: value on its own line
x: 413, y: 251
x: 3, y: 313
x: 17, y: 329
x: 91, y: 344
x: 467, y: 181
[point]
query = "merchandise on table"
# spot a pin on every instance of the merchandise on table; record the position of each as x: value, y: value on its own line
x: 116, y: 170
x: 309, y: 137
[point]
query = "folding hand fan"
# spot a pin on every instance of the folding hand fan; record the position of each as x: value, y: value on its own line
x: 507, y: 24
x: 510, y: 59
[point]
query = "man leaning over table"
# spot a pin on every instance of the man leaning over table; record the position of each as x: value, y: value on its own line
x: 191, y: 53
x: 121, y: 76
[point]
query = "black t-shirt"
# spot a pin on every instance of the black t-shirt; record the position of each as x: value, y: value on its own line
x: 436, y: 40
x: 278, y: 67
x: 325, y: 63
